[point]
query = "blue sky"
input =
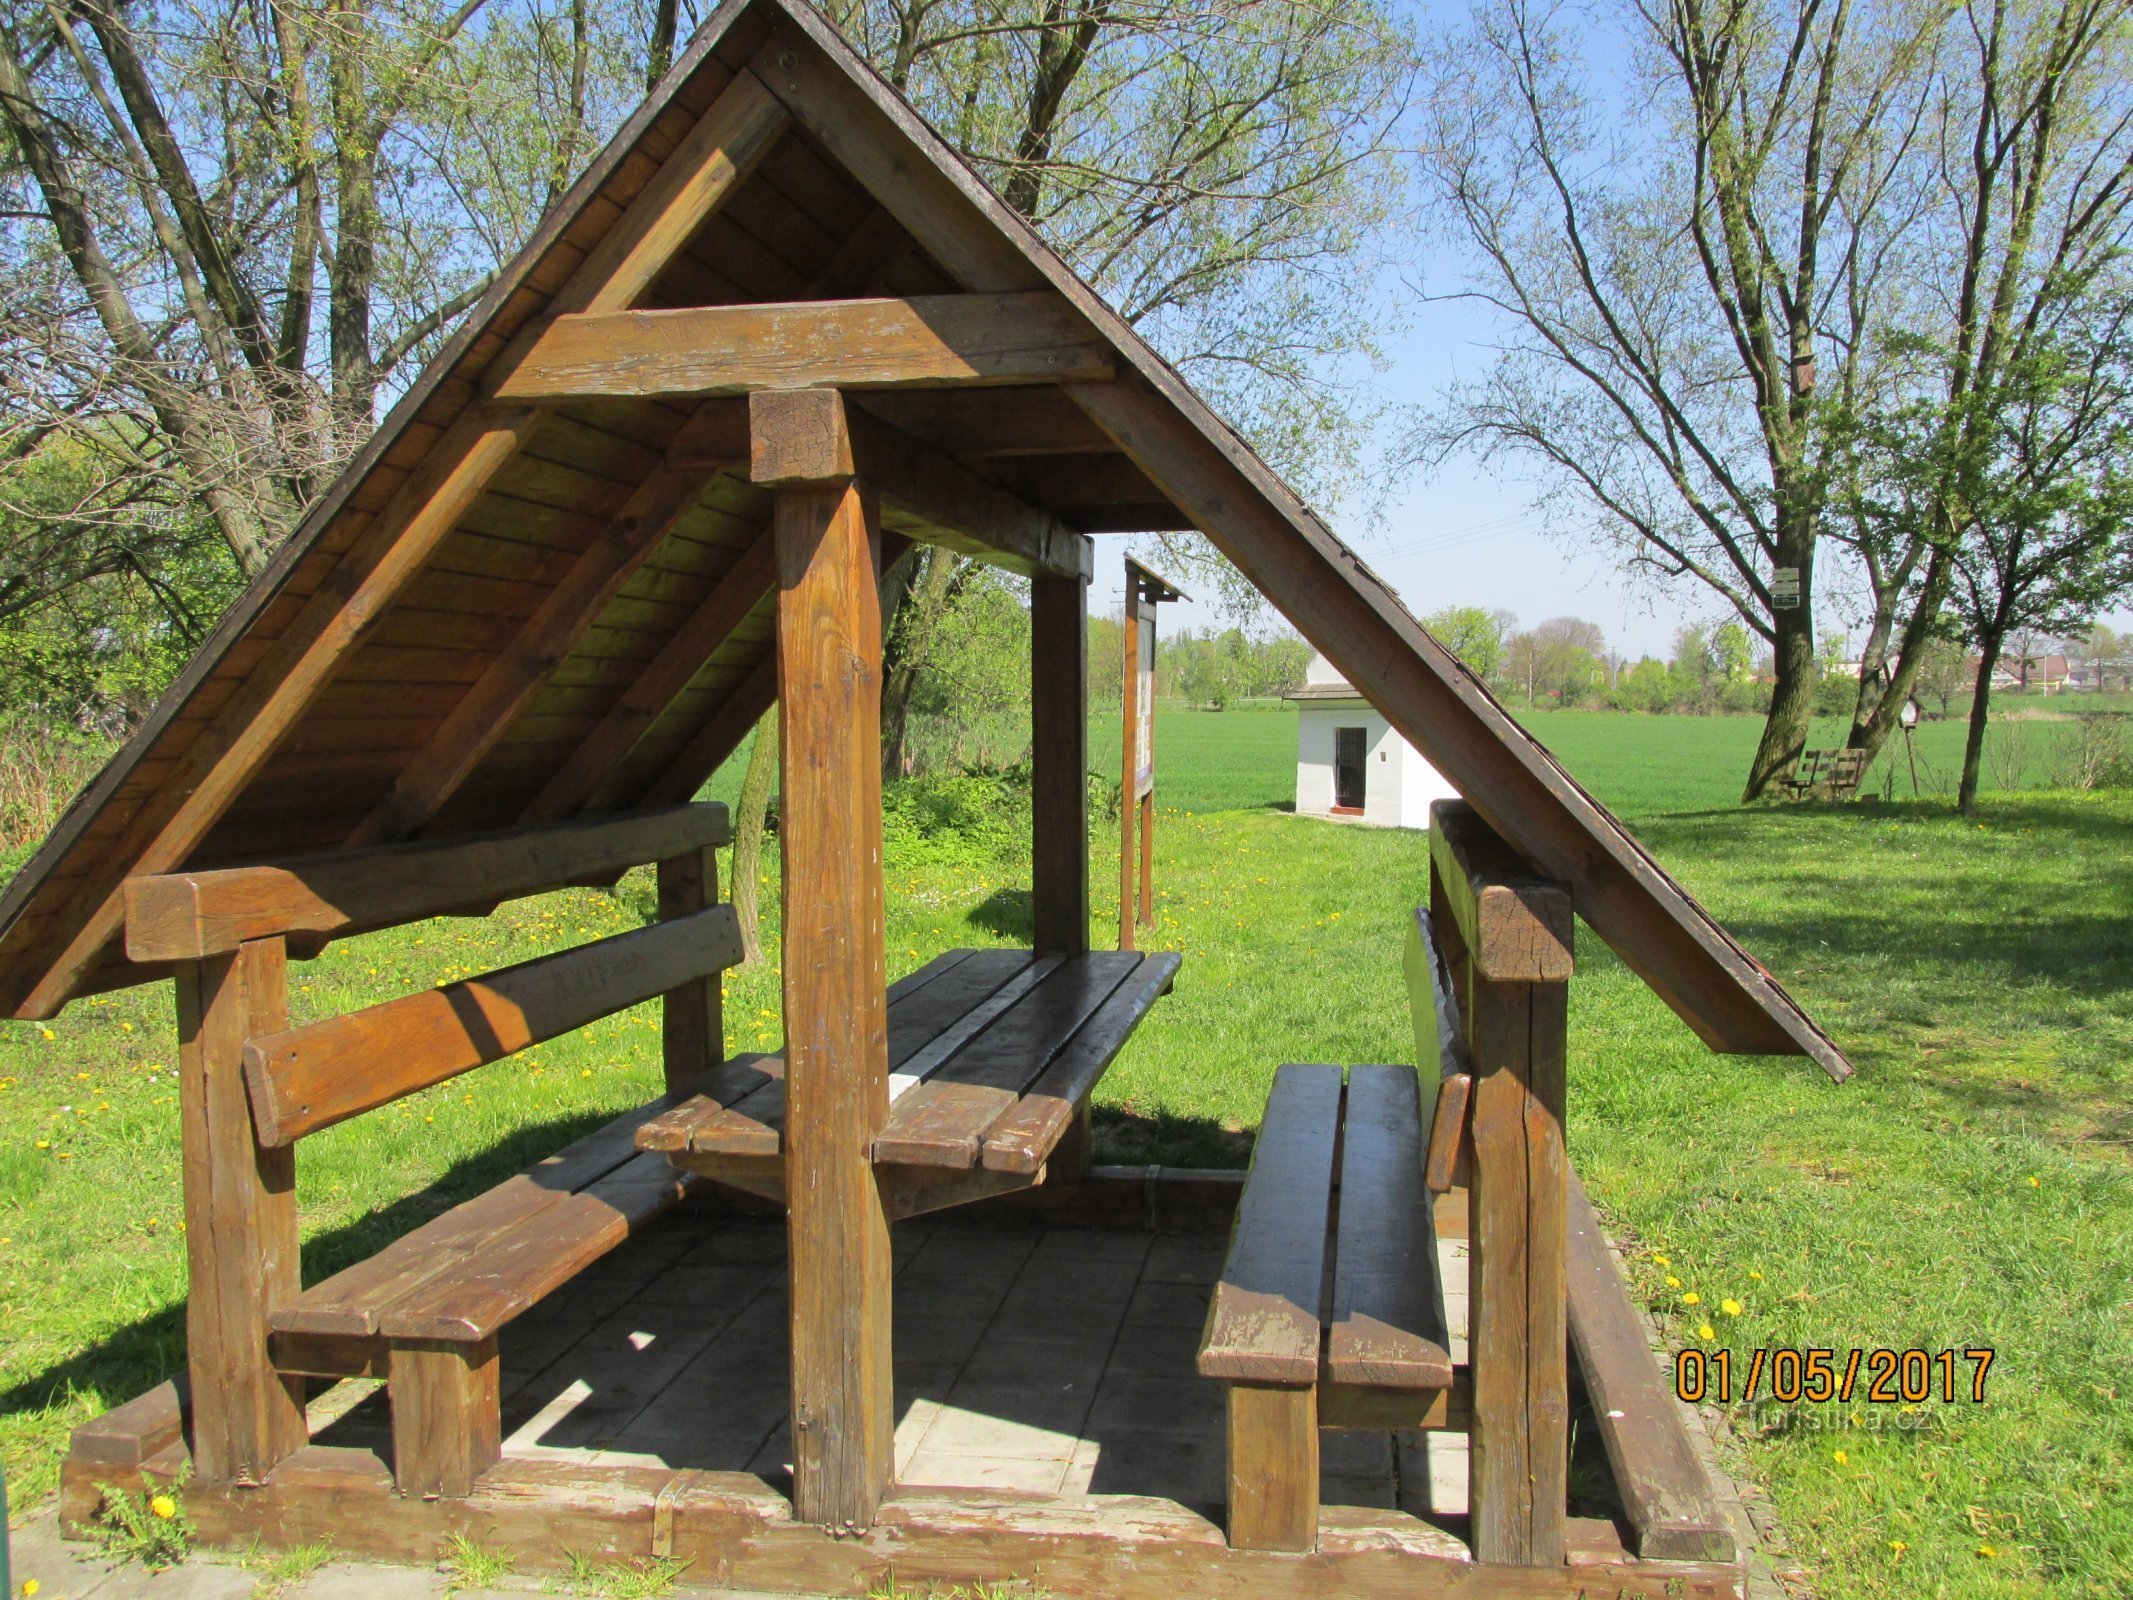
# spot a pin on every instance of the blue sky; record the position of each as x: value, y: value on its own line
x: 1465, y: 535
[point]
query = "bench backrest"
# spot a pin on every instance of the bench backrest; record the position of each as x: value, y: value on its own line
x: 302, y: 1079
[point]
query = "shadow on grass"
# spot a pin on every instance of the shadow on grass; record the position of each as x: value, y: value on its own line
x: 1007, y: 914
x: 1954, y: 946
x: 135, y: 1358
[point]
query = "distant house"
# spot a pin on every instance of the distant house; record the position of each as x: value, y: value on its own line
x: 2047, y: 673
x: 1350, y: 764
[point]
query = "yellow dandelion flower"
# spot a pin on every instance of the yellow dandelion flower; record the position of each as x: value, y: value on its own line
x: 585, y: 1072
x: 48, y: 1033
x: 126, y: 1027
x: 1672, y: 1282
x: 1730, y: 1307
x: 1988, y: 1552
x: 1840, y: 1457
x: 1706, y: 1332
x: 2036, y: 1183
x: 1757, y: 1276
x: 1692, y: 1298
x: 1662, y: 1261
x: 163, y: 1506
x: 29, y: 1587
x: 44, y: 1144
x: 1898, y: 1546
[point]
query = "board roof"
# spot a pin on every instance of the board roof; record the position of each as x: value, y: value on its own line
x: 258, y: 751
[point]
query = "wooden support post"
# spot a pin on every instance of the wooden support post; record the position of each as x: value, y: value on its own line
x: 835, y: 969
x: 1511, y: 933
x: 693, y: 1017
x: 1059, y: 745
x: 240, y: 1219
x: 1148, y: 859
x: 447, y: 1417
x: 1273, y: 1467
x: 1128, y: 808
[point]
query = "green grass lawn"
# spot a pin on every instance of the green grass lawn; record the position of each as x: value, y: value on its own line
x: 1969, y: 1188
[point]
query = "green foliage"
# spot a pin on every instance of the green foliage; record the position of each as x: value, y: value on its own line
x: 469, y: 1564
x: 1474, y: 634
x: 149, y: 1526
x: 101, y: 603
x: 976, y: 817
x: 643, y: 1578
x: 1216, y: 668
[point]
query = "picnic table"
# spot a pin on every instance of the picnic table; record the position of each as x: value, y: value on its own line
x: 992, y: 1055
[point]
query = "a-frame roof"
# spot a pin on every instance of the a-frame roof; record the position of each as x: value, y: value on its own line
x: 510, y: 609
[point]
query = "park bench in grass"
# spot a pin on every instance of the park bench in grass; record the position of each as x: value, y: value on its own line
x: 992, y: 1056
x: 425, y: 1312
x: 1835, y: 774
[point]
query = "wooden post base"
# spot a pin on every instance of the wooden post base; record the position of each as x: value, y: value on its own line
x: 738, y: 1531
x: 447, y: 1417
x: 1273, y: 1467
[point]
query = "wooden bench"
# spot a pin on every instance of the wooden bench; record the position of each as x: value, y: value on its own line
x: 1832, y: 773
x: 425, y: 1312
x: 992, y: 1056
x: 1341, y: 1171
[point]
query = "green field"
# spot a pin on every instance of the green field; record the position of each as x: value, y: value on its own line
x: 1970, y: 1188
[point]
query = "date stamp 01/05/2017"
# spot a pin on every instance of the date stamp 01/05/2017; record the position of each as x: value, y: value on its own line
x: 1816, y: 1377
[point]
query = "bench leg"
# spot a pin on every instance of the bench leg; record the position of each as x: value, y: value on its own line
x: 447, y: 1417
x: 1273, y: 1467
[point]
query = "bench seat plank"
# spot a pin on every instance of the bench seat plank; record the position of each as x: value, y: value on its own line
x: 1666, y: 1494
x: 1029, y: 1130
x: 349, y: 1302
x: 942, y: 1122
x: 515, y: 1269
x: 1263, y: 1324
x: 1388, y: 1324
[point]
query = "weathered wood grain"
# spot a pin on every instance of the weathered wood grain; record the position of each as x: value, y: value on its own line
x: 308, y: 1078
x: 1273, y: 1467
x: 835, y: 982
x: 1059, y: 751
x: 692, y: 1020
x: 845, y: 344
x: 1666, y: 1494
x: 1263, y: 1322
x: 1388, y: 1326
x: 1517, y: 924
x: 240, y: 1219
x: 186, y: 916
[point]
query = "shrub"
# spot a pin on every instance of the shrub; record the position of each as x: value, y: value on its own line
x: 2093, y: 753
x: 42, y: 769
x: 980, y: 815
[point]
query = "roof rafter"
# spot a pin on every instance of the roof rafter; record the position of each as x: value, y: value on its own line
x: 434, y: 774
x: 663, y: 679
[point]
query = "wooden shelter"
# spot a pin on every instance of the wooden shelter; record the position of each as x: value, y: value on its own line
x: 776, y: 332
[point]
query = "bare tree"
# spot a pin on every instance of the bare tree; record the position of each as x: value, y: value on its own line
x: 229, y: 227
x: 1700, y: 304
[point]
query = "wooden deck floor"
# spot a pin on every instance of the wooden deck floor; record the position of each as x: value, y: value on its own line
x: 1045, y: 1359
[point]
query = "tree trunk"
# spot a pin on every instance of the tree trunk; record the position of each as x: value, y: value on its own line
x: 1792, y: 700
x: 748, y: 829
x: 1988, y: 657
x: 352, y: 274
x: 1873, y: 732
x: 925, y: 598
